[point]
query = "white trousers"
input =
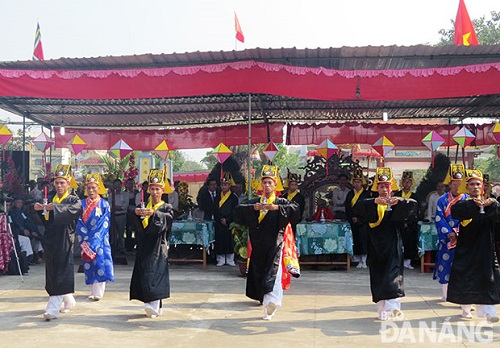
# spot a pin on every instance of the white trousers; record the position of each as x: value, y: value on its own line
x: 55, y: 302
x: 36, y: 245
x: 154, y: 305
x: 275, y: 296
x: 388, y: 305
x: 25, y: 244
x: 97, y: 289
x: 482, y: 310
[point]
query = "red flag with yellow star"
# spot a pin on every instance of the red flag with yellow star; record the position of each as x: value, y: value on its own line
x: 464, y: 30
x: 237, y: 27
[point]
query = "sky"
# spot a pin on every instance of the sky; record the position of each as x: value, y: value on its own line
x: 96, y: 28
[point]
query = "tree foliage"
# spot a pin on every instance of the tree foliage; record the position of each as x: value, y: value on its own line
x: 487, y: 31
x: 490, y: 166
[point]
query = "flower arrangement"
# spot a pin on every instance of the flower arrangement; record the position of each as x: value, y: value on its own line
x: 13, y: 183
x: 185, y: 199
x: 132, y: 172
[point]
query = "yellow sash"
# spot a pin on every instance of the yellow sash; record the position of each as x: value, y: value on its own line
x: 381, y: 208
x: 464, y: 223
x: 356, y: 197
x: 145, y: 221
x: 291, y: 195
x: 406, y: 195
x: 268, y: 201
x: 224, y: 197
x: 57, y: 200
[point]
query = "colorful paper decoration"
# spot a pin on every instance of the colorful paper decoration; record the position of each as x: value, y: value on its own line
x: 255, y: 155
x: 270, y: 151
x: 464, y: 137
x: 42, y: 142
x: 326, y: 149
x: 5, y: 135
x: 433, y: 141
x: 162, y: 150
x: 77, y: 144
x: 383, y: 146
x: 221, y: 152
x: 121, y: 149
x: 495, y: 130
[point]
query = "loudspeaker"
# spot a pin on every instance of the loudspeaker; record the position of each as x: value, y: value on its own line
x: 17, y: 157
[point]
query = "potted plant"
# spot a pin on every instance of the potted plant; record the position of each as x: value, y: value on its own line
x: 240, y: 235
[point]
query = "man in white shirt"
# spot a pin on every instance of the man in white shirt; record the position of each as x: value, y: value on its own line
x: 433, y: 200
x: 339, y: 195
x: 173, y: 198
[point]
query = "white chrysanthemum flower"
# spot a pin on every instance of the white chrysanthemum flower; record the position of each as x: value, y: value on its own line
x: 189, y: 238
x: 330, y: 245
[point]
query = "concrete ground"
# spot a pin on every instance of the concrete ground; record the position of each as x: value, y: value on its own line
x: 324, y: 307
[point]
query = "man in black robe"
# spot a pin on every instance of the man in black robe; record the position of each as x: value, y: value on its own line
x: 384, y: 215
x: 358, y: 223
x: 266, y: 218
x: 59, y: 221
x: 225, y: 203
x: 150, y: 281
x: 475, y: 275
x: 293, y: 195
x: 409, y: 226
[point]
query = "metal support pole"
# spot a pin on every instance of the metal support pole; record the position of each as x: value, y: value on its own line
x: 23, y: 167
x: 249, y: 174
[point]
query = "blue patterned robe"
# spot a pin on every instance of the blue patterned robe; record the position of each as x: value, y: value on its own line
x: 96, y: 233
x: 444, y: 226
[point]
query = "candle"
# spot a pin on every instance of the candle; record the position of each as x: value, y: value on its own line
x: 45, y: 192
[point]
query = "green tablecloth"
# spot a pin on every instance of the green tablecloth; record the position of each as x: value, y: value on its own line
x: 192, y: 232
x: 324, y: 238
x: 427, y: 237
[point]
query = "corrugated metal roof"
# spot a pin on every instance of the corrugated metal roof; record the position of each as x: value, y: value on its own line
x: 342, y: 58
x: 230, y: 109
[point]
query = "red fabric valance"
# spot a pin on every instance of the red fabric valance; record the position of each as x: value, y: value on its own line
x: 369, y: 133
x: 253, y: 77
x: 191, y: 177
x: 195, y: 138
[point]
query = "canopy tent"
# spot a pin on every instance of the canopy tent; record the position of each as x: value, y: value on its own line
x: 184, y: 92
